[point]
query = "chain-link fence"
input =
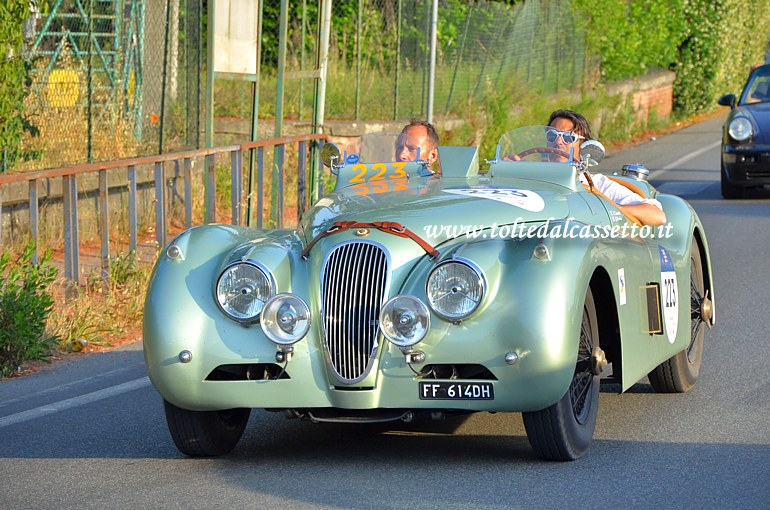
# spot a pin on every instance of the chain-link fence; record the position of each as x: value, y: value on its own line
x: 113, y: 79
x: 121, y: 78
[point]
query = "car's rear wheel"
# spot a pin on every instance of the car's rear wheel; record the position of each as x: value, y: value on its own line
x: 680, y: 372
x: 565, y: 430
x: 205, y: 433
x: 730, y: 190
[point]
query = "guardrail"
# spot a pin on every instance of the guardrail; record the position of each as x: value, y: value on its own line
x: 70, y: 196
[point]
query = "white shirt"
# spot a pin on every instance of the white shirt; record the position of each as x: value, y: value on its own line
x: 617, y: 192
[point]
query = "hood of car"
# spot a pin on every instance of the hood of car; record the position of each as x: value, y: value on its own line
x: 425, y: 203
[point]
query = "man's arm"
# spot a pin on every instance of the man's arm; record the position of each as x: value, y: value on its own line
x: 648, y: 214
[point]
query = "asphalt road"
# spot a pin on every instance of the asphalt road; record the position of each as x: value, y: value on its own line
x: 91, y: 433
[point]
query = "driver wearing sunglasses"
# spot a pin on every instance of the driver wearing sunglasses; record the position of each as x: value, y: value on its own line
x: 566, y: 130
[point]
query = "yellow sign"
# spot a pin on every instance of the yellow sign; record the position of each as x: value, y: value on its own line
x: 63, y: 88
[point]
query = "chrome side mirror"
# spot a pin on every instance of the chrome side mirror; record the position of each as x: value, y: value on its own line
x: 591, y: 153
x: 331, y: 157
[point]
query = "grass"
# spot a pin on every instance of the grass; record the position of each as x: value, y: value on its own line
x: 102, y: 312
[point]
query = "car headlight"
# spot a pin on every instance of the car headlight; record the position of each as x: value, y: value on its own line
x: 404, y: 320
x: 285, y: 319
x: 242, y: 290
x: 740, y: 129
x: 455, y: 289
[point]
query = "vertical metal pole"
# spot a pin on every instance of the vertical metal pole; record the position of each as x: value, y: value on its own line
x: 323, y: 66
x: 283, y: 32
x: 426, y: 64
x: 67, y: 210
x: 209, y: 200
x: 315, y: 159
x: 71, y: 243
x: 210, y: 190
x: 260, y: 187
x: 398, y: 63
x: 432, y: 67
x: 302, y: 56
x: 89, y: 86
x: 187, y: 193
x: 160, y: 205
x: 75, y: 229
x: 104, y: 230
x: 358, y: 58
x: 301, y: 190
x: 319, y: 99
x: 198, y: 74
x: 210, y: 76
x: 282, y: 43
x: 280, y: 151
x: 34, y: 221
x: 163, y: 77
x: 139, y: 77
x: 236, y: 186
x: 254, y: 117
x: 132, y: 227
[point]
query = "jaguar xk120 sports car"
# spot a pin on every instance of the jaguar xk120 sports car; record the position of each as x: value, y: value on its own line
x: 746, y: 136
x: 407, y: 292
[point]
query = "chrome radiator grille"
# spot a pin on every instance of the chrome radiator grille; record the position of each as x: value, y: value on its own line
x: 353, y: 288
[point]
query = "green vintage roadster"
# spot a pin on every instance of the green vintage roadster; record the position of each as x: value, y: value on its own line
x: 409, y: 291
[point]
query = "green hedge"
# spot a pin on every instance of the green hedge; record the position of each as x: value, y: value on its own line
x: 711, y: 44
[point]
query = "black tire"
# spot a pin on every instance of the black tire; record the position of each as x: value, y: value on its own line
x: 680, y: 372
x: 205, y: 433
x: 565, y: 430
x: 730, y: 190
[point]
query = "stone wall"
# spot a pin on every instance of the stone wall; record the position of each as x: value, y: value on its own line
x: 653, y: 92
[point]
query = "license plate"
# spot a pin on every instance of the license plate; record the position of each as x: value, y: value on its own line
x: 456, y: 391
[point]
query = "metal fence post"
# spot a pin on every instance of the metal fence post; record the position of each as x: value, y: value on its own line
x: 104, y: 229
x: 33, y: 219
x: 301, y: 189
x: 236, y: 186
x: 132, y: 227
x: 160, y: 205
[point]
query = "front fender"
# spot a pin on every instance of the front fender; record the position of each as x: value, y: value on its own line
x: 533, y: 307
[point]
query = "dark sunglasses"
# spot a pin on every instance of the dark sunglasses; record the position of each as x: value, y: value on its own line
x: 568, y: 137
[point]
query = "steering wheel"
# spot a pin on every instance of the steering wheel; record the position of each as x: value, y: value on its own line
x: 543, y: 150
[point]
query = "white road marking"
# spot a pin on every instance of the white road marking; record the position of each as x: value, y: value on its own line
x: 684, y: 159
x: 69, y: 403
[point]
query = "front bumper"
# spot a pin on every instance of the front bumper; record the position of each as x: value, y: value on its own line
x: 746, y: 166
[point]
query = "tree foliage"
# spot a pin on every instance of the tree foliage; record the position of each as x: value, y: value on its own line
x: 15, y: 81
x: 711, y: 44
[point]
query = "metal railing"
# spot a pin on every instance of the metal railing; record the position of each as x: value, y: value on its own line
x: 71, y: 197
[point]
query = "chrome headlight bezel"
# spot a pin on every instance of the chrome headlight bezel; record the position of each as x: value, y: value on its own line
x: 265, y: 279
x: 475, y: 278
x: 275, y: 312
x: 740, y: 128
x: 417, y: 320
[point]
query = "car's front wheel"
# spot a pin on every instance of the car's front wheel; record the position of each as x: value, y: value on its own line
x: 565, y: 430
x: 205, y: 433
x: 730, y: 190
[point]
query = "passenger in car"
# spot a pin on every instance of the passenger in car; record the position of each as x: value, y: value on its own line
x: 423, y: 136
x: 569, y: 130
